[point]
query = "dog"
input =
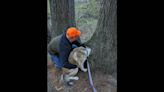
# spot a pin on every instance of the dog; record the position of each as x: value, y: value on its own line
x: 77, y: 57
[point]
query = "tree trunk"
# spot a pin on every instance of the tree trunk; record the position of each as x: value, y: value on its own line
x: 49, y: 28
x: 62, y: 15
x: 104, y: 41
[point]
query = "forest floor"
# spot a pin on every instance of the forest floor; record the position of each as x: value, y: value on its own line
x: 102, y: 82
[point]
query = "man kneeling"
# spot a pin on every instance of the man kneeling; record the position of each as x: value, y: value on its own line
x: 60, y: 48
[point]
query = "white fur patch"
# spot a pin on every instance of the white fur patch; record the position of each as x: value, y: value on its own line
x: 73, y: 78
x: 75, y: 56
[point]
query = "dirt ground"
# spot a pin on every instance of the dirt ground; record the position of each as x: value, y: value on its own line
x: 102, y: 82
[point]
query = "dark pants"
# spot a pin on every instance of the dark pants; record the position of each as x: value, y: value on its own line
x: 56, y: 60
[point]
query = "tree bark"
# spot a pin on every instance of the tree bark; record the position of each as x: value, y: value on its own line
x: 62, y: 15
x: 104, y: 41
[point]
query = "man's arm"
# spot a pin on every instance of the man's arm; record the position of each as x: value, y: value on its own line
x: 78, y: 44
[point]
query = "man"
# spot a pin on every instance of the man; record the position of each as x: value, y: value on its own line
x: 61, y: 46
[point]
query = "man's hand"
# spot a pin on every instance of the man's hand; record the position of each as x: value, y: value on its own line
x: 83, y: 45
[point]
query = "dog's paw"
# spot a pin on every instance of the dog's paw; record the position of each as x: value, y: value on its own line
x: 84, y: 70
x: 76, y: 78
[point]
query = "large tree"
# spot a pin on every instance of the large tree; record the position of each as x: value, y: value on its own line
x: 104, y: 40
x: 62, y: 15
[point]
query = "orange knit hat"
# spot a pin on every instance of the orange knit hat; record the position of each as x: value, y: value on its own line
x: 72, y: 32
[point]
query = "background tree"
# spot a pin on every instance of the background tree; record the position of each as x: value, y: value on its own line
x: 104, y: 40
x: 62, y: 15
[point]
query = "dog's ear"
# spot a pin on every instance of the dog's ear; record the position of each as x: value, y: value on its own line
x: 88, y: 51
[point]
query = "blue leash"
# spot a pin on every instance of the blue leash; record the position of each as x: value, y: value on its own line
x: 90, y: 78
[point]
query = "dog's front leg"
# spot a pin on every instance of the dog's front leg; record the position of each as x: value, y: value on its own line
x: 82, y: 68
x: 72, y: 74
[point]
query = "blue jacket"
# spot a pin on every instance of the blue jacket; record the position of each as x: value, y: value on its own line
x: 65, y: 47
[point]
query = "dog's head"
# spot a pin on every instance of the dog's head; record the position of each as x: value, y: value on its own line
x: 80, y: 55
